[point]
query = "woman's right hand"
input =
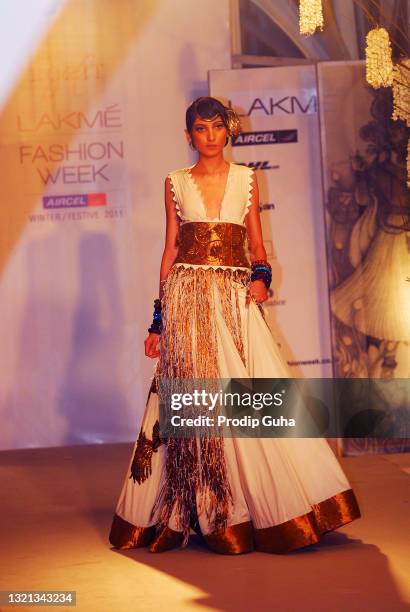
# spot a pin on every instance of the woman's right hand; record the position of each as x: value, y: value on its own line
x: 152, y: 345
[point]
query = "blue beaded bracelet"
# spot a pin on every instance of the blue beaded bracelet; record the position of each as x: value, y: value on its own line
x: 156, y: 326
x: 261, y: 270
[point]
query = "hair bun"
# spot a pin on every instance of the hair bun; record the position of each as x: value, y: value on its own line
x: 234, y: 123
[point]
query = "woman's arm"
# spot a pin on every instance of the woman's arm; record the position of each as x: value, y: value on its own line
x: 168, y: 257
x: 171, y: 235
x: 253, y: 225
x: 257, y: 288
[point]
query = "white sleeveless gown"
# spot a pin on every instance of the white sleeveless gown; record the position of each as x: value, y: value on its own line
x: 285, y: 492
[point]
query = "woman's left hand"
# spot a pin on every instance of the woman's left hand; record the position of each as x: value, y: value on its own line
x: 257, y: 290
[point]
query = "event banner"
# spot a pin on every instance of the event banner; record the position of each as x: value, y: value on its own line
x: 280, y: 140
x: 87, y: 136
x: 367, y: 227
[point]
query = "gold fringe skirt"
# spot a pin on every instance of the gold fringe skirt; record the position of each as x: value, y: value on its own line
x: 189, y: 350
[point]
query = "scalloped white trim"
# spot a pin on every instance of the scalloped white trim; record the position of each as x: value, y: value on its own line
x: 174, y: 197
x: 251, y: 184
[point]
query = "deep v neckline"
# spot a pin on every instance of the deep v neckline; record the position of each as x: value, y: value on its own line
x: 201, y: 198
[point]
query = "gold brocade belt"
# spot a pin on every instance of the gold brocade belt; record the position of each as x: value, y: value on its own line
x: 212, y: 243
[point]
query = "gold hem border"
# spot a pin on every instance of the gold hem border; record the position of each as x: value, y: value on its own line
x: 167, y: 539
x: 125, y: 535
x: 298, y: 532
x: 308, y: 528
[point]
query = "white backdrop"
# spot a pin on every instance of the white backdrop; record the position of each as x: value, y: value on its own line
x: 98, y: 114
x: 279, y: 115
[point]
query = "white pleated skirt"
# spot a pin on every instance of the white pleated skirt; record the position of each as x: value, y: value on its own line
x: 286, y: 492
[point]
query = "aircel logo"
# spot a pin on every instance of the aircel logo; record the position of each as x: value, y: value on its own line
x: 265, y: 137
x: 75, y: 201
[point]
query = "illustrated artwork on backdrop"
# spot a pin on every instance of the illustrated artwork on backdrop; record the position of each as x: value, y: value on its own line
x: 369, y: 244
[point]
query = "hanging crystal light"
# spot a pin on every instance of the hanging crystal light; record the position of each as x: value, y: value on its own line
x: 310, y: 16
x: 379, y: 65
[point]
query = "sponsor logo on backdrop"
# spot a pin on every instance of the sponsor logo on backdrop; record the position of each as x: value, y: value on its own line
x: 78, y: 162
x: 75, y: 201
x: 71, y: 163
x: 75, y: 78
x: 287, y: 105
x: 259, y: 165
x: 69, y: 151
x: 268, y: 206
x: 105, y: 118
x: 265, y: 137
x: 272, y: 302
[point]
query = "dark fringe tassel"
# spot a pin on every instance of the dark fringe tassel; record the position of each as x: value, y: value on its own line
x: 141, y: 467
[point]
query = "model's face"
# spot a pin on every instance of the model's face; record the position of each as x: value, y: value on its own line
x: 208, y: 136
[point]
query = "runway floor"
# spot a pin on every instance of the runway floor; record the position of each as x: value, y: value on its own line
x: 56, y: 511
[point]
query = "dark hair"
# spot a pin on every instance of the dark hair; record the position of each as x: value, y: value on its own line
x: 205, y: 108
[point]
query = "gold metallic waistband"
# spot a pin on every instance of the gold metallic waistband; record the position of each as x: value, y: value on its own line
x: 212, y: 243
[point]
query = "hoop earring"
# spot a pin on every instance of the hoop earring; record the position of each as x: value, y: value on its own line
x: 192, y: 145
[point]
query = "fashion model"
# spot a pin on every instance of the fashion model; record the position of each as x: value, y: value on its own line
x: 239, y: 494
